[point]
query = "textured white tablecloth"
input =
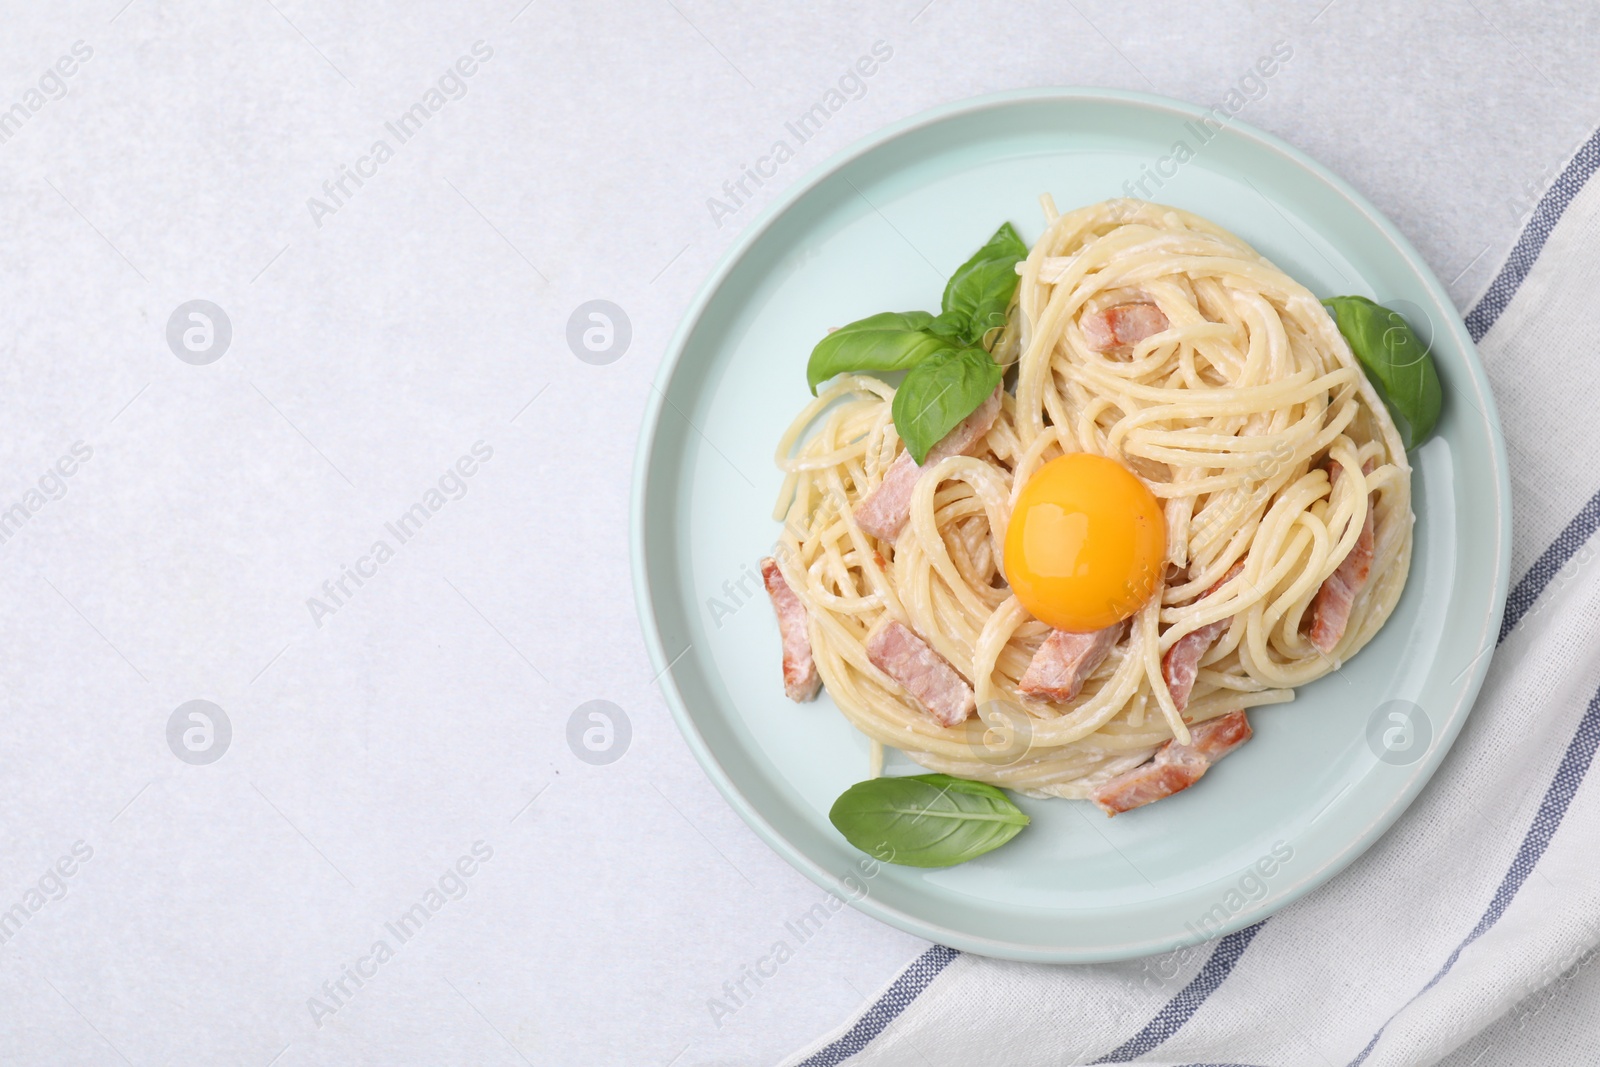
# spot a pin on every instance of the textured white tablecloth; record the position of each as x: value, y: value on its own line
x: 398, y: 768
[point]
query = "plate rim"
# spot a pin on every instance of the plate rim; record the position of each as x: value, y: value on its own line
x: 930, y: 929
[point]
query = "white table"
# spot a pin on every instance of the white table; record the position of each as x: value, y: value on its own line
x: 379, y: 331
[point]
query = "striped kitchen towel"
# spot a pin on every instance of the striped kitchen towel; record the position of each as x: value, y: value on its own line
x: 1482, y: 899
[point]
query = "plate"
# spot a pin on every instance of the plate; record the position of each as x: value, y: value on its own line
x: 880, y: 227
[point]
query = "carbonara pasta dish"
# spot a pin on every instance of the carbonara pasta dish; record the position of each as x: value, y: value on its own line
x: 1137, y: 483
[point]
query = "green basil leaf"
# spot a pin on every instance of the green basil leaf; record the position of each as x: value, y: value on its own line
x: 1396, y: 363
x: 981, y: 288
x: 926, y: 820
x: 893, y: 340
x: 939, y: 392
x: 950, y: 324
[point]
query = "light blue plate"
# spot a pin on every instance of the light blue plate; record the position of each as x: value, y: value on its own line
x: 877, y: 229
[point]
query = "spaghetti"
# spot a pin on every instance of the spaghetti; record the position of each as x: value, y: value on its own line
x: 1234, y: 416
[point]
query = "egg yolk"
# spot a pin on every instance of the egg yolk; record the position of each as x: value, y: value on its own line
x: 1086, y: 545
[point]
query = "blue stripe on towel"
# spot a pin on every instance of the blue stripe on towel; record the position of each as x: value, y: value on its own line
x: 895, y: 1000
x: 1574, y: 765
x: 1549, y: 564
x: 1188, y: 1000
x: 1526, y: 251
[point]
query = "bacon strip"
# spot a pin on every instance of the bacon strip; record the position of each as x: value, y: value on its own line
x: 1122, y: 326
x: 885, y: 510
x: 1065, y: 660
x: 1330, y: 610
x: 898, y: 652
x: 800, y: 679
x: 1181, y: 665
x: 1175, y: 767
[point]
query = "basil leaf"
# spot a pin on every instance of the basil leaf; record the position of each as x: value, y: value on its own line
x: 926, y: 820
x: 1396, y: 362
x: 893, y: 340
x: 981, y: 288
x: 950, y: 324
x: 939, y: 392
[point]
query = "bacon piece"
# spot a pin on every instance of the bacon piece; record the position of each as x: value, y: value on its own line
x: 898, y: 652
x: 800, y: 680
x: 1330, y: 609
x: 1122, y: 326
x: 885, y: 510
x: 1065, y: 660
x: 1175, y: 767
x: 1181, y: 665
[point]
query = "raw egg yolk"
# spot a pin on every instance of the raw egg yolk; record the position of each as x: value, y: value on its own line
x: 1086, y: 545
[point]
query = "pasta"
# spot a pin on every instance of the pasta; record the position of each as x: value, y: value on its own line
x: 1232, y: 416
